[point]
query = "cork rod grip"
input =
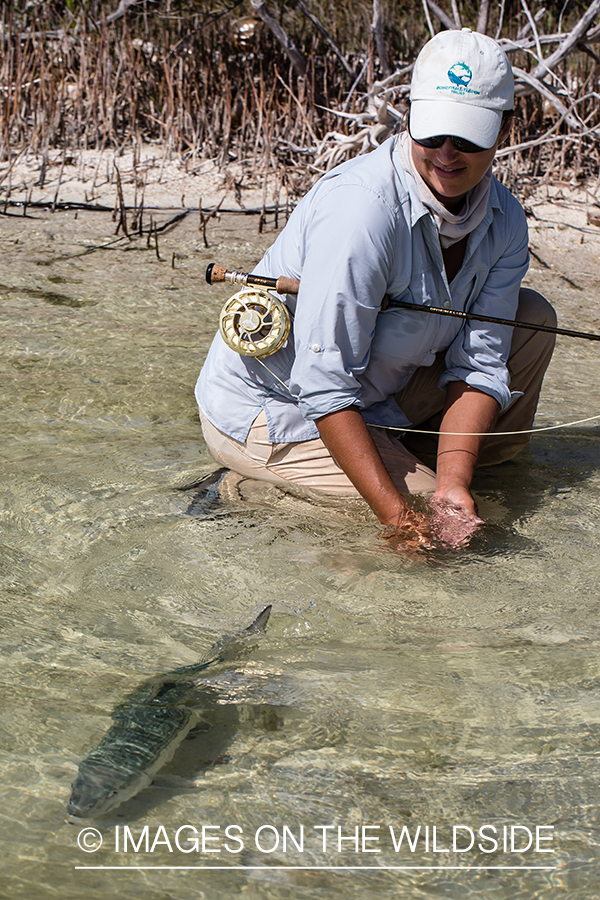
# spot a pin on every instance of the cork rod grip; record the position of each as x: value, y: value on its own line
x: 283, y: 285
x: 287, y: 285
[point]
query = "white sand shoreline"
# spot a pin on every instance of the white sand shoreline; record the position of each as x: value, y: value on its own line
x: 150, y: 174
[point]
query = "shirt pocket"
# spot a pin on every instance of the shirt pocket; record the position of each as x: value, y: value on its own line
x: 426, y: 287
x: 468, y: 288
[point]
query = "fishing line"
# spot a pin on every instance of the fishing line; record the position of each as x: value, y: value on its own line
x: 488, y: 433
x: 455, y: 433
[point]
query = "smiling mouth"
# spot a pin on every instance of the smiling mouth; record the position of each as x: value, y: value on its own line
x: 448, y: 170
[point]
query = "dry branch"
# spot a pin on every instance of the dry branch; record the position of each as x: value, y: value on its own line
x: 295, y: 57
x: 529, y: 81
x: 570, y: 41
x: 319, y: 25
x: 442, y: 16
x: 120, y: 11
x: 482, y: 17
x: 377, y: 29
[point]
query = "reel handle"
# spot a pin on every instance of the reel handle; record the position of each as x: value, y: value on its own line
x: 283, y: 285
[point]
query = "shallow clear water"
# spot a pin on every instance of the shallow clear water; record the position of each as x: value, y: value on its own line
x: 458, y: 688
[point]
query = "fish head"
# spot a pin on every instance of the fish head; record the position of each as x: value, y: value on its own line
x: 98, y: 788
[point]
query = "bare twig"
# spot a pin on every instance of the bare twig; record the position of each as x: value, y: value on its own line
x: 319, y: 25
x: 534, y: 30
x: 441, y: 15
x: 122, y: 223
x: 294, y: 56
x: 428, y: 18
x: 544, y: 90
x: 60, y: 176
x: 120, y: 11
x: 500, y: 20
x: 377, y: 29
x: 205, y: 218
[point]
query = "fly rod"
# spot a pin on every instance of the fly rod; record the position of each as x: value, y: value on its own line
x: 284, y: 285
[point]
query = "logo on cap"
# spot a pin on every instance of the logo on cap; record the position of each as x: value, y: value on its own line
x: 460, y: 74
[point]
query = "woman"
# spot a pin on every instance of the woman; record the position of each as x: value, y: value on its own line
x: 421, y: 219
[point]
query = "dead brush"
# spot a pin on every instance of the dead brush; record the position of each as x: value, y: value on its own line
x: 211, y: 82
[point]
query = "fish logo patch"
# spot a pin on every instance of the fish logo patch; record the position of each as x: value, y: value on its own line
x: 459, y: 76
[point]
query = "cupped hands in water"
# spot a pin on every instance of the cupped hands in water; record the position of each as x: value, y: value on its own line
x: 411, y: 531
x: 451, y: 522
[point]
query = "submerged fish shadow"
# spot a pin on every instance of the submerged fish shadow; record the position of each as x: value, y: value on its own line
x: 149, y: 726
x: 204, y: 748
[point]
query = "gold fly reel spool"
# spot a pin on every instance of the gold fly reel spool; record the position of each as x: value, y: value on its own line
x: 254, y: 323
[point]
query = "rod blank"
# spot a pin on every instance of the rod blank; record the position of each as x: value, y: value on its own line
x: 283, y: 285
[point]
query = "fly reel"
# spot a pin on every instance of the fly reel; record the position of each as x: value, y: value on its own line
x: 254, y: 323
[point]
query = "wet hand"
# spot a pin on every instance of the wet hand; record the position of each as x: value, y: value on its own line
x: 454, y: 518
x: 411, y: 531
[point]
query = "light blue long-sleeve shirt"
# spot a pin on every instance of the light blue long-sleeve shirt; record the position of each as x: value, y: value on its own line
x: 360, y: 233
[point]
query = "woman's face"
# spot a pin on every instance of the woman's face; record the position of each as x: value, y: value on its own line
x: 450, y: 174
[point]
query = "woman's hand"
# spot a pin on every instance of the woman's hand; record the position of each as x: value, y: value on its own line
x: 469, y: 416
x: 454, y: 518
x: 347, y: 438
x: 411, y: 531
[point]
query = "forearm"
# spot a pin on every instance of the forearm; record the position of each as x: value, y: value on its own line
x: 349, y: 442
x: 468, y: 417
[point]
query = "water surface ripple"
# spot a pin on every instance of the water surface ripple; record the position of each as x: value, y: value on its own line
x: 456, y: 689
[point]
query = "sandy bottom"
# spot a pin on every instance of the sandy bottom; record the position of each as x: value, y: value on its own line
x: 454, y: 688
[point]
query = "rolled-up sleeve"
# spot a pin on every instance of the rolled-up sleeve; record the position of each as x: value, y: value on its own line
x: 479, y: 353
x: 348, y: 240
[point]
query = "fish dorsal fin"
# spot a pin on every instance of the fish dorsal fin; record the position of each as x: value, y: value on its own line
x: 229, y: 647
x: 233, y: 645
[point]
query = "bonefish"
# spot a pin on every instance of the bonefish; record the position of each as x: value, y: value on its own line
x: 149, y: 725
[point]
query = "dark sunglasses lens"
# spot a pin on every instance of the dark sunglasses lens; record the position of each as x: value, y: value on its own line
x: 431, y: 143
x: 459, y: 144
x: 465, y: 146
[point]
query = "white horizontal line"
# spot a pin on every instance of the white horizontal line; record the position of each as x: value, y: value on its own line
x: 340, y: 868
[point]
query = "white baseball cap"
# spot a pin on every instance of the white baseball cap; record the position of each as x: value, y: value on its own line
x: 462, y: 83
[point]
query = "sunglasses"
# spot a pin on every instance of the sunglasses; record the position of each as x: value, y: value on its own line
x: 460, y: 144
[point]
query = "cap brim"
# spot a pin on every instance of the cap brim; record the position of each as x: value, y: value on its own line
x: 429, y: 118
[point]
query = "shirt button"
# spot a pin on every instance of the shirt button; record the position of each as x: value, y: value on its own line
x: 447, y: 304
x: 433, y: 350
x: 316, y: 348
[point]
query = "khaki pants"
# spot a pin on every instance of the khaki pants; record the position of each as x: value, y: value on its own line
x: 309, y: 463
